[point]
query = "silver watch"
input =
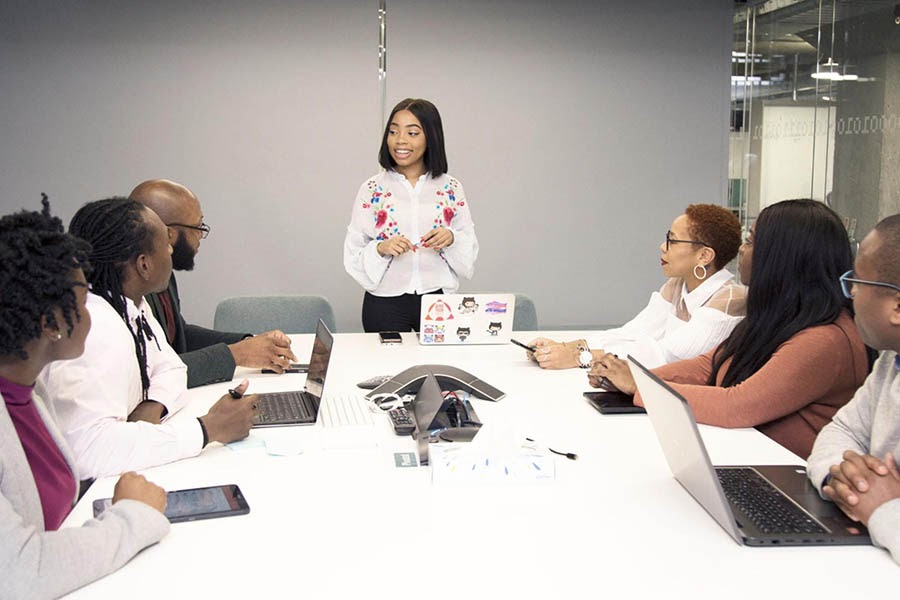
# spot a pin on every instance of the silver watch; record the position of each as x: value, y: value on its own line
x: 585, y: 358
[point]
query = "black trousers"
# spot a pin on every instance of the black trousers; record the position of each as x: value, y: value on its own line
x: 394, y: 313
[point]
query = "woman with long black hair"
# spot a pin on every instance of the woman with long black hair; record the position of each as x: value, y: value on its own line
x: 797, y: 357
x: 411, y: 231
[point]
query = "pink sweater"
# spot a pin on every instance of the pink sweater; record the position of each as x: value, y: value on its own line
x: 793, y: 395
x: 55, y: 482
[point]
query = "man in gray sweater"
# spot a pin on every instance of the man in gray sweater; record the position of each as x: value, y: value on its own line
x: 853, y: 460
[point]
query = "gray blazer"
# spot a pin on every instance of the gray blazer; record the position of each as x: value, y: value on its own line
x: 46, y: 564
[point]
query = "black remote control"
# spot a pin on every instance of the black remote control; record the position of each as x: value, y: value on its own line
x: 402, y: 421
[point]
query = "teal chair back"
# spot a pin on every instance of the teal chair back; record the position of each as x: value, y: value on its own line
x: 290, y: 314
x: 526, y: 315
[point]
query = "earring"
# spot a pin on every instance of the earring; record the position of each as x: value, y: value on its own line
x: 700, y: 277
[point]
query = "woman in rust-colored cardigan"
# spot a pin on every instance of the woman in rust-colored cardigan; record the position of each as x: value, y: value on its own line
x: 797, y: 357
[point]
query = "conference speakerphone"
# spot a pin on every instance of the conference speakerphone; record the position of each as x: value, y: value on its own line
x: 449, y: 378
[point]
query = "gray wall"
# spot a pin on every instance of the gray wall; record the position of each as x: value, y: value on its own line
x: 579, y: 130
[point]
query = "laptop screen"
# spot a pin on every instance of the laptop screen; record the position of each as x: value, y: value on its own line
x: 466, y: 319
x: 682, y: 445
x: 318, y: 360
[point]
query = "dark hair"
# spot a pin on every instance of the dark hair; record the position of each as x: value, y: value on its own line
x: 800, y: 249
x: 117, y: 232
x: 887, y: 264
x: 716, y: 227
x: 37, y: 259
x: 427, y: 113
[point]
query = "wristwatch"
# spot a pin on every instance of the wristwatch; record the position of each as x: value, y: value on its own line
x: 585, y: 358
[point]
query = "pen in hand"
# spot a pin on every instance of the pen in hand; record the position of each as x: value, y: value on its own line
x: 237, y: 392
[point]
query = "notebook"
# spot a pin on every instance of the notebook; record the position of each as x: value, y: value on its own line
x: 301, y: 407
x: 448, y: 319
x: 757, y: 505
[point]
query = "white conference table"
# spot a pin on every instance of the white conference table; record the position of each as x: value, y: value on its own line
x: 347, y: 523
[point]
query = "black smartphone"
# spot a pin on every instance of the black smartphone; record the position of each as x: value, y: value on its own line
x: 613, y: 403
x: 294, y: 368
x: 196, y: 504
x: 526, y: 346
x: 390, y: 337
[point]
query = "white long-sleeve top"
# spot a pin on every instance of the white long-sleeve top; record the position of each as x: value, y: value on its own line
x: 94, y: 394
x: 386, y: 206
x: 677, y: 324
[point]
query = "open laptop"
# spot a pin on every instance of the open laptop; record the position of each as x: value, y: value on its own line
x: 448, y: 319
x: 301, y: 407
x: 756, y: 505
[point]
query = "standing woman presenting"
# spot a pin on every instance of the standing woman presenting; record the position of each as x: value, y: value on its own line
x: 411, y: 232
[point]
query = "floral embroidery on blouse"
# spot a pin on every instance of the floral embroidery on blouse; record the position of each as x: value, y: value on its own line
x: 382, y: 211
x: 446, y: 204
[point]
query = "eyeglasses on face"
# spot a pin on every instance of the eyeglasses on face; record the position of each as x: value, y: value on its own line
x: 670, y: 240
x: 848, y: 281
x: 203, y: 228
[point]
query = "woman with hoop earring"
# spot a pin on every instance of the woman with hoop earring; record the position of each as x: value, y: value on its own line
x: 697, y: 307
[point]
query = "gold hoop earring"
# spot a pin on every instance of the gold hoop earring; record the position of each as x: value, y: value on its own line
x: 700, y: 277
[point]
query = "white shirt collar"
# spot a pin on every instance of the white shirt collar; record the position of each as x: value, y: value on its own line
x: 402, y: 177
x: 703, y: 292
x: 134, y: 310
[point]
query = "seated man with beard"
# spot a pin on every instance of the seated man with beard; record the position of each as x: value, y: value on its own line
x: 210, y: 355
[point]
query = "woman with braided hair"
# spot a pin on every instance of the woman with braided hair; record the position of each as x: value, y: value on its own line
x: 43, y: 318
x: 113, y: 401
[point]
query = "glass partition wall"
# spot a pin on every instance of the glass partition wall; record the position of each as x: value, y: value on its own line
x: 815, y: 95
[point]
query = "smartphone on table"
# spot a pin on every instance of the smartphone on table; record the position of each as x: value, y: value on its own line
x: 613, y: 403
x: 196, y: 504
x: 522, y: 345
x: 294, y: 368
x: 390, y: 337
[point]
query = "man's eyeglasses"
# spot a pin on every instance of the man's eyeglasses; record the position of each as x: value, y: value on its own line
x: 671, y: 240
x: 203, y: 228
x: 847, y: 283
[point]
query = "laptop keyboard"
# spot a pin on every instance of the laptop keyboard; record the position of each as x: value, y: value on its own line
x: 286, y: 407
x: 344, y: 410
x: 768, y: 509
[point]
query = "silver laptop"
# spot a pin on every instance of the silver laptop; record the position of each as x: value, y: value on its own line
x: 299, y: 407
x: 756, y: 505
x: 452, y: 319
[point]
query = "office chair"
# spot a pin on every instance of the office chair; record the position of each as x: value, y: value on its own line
x: 526, y: 314
x: 290, y: 314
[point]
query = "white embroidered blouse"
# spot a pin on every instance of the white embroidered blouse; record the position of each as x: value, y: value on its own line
x: 386, y: 206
